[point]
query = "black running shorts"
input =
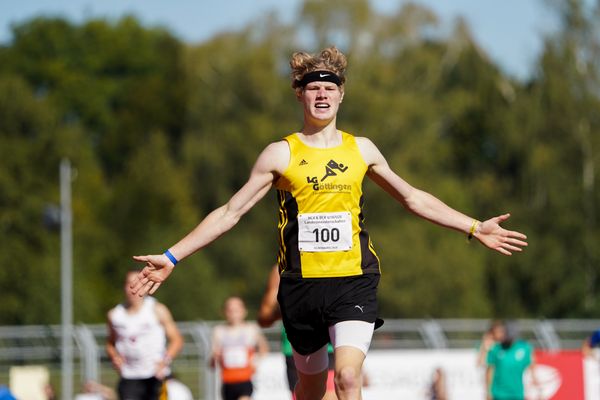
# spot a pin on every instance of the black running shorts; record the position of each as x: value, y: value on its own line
x: 233, y: 391
x: 309, y: 306
x: 140, y: 389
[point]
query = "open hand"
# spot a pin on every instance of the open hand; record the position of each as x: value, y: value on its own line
x: 493, y: 236
x: 157, y: 268
x: 117, y: 362
x: 161, y: 370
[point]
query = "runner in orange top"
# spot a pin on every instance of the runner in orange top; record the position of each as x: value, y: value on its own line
x: 234, y: 346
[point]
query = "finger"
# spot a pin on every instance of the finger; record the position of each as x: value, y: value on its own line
x: 136, y: 286
x: 501, y: 218
x: 140, y: 258
x: 515, y: 234
x: 137, y: 281
x: 143, y: 272
x: 144, y: 283
x: 504, y: 251
x: 517, y: 242
x: 139, y: 290
x: 155, y: 287
x: 148, y: 286
x: 142, y: 291
x: 143, y: 287
x: 143, y: 279
x: 511, y: 247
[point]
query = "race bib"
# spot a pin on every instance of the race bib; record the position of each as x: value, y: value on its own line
x: 235, y: 357
x: 321, y: 232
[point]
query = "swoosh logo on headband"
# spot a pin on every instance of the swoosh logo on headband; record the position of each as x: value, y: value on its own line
x: 323, y: 75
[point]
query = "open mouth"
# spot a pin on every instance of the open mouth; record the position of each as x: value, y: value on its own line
x: 322, y: 105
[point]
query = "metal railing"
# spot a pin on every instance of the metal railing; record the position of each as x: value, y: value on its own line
x: 37, y: 344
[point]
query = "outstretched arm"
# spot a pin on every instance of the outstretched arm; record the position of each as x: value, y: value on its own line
x: 271, y: 163
x: 426, y: 206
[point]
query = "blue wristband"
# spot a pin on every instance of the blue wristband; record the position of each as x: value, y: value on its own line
x: 171, y: 257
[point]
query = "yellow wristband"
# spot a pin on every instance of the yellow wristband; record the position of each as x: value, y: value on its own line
x: 473, y: 229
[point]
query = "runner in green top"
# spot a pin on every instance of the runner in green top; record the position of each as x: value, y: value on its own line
x: 286, y: 346
x: 507, y: 362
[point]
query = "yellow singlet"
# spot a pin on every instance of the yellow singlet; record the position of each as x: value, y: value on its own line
x: 321, y: 225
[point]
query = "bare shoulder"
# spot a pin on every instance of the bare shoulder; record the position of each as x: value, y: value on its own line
x: 253, y: 328
x: 110, y: 313
x: 162, y: 311
x: 160, y: 307
x: 369, y: 150
x: 361, y: 140
x: 109, y: 318
x: 252, y: 325
x: 274, y: 158
x: 278, y: 146
x: 218, y: 330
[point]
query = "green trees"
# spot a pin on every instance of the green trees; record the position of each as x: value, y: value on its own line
x: 161, y: 132
x: 562, y: 195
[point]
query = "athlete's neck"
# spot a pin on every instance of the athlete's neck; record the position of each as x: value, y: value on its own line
x: 324, y: 138
x: 235, y: 324
x: 134, y: 306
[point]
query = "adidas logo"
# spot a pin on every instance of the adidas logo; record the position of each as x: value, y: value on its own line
x: 303, y: 162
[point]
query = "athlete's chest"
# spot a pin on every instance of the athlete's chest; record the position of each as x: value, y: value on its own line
x: 315, y: 172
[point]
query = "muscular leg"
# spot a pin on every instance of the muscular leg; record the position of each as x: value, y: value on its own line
x: 348, y: 372
x: 312, y: 375
x: 351, y: 340
x: 311, y: 387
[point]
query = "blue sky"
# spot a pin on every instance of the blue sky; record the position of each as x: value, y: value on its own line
x: 510, y: 31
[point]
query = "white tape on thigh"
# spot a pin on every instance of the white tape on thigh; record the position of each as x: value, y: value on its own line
x: 312, y: 364
x: 352, y: 333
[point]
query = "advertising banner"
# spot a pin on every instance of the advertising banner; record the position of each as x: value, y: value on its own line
x: 408, y: 374
x: 559, y: 376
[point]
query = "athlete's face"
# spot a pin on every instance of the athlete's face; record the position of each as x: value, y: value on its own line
x: 498, y: 333
x: 321, y: 101
x: 235, y: 310
x: 132, y: 299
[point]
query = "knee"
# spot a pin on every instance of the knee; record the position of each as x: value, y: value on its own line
x: 347, y: 379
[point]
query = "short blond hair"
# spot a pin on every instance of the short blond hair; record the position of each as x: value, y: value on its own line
x: 329, y: 59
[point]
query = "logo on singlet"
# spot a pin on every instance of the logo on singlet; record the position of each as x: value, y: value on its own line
x: 331, y: 169
x: 314, y: 180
